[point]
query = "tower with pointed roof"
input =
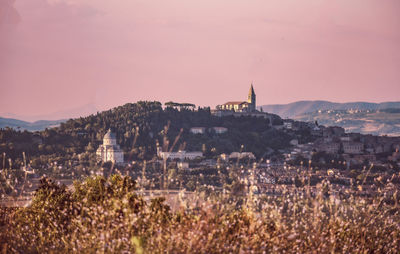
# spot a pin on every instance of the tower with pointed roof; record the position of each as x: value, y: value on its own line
x: 248, y: 106
x: 251, y: 99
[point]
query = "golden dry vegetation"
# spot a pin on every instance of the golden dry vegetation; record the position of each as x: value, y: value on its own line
x: 107, y: 215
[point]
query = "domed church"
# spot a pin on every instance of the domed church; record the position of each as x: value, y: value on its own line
x: 109, y: 150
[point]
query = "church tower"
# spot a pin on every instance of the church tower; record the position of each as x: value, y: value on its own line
x: 251, y: 99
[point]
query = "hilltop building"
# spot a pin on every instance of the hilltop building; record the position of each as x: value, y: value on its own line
x: 109, y: 150
x: 241, y: 106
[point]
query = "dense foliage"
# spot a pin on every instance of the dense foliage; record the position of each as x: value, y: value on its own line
x: 139, y: 126
x: 107, y: 215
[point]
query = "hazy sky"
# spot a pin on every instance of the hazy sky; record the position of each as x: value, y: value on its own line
x: 62, y: 54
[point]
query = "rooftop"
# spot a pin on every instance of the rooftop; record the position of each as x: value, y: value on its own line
x: 235, y: 102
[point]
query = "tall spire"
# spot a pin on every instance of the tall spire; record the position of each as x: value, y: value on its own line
x: 251, y: 91
x: 251, y: 98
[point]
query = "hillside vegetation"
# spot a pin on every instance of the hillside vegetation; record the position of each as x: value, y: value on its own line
x: 107, y: 215
x: 139, y: 126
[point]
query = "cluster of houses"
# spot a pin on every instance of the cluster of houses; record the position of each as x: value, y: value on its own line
x: 355, y: 148
x: 111, y: 151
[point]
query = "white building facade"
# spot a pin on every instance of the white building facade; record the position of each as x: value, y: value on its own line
x: 220, y: 130
x: 110, y: 150
x: 181, y: 155
x: 198, y: 130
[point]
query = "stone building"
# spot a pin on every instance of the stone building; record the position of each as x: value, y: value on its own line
x: 353, y: 147
x: 329, y: 147
x: 110, y: 150
x: 241, y: 106
x: 180, y: 155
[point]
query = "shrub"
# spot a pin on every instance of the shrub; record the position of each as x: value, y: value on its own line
x: 107, y: 215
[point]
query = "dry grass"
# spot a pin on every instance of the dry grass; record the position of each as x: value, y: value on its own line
x: 106, y: 215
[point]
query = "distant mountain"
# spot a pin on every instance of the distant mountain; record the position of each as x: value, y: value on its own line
x: 30, y: 126
x: 294, y: 109
x: 77, y: 112
x: 376, y: 122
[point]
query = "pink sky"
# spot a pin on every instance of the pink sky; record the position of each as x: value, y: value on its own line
x: 63, y: 54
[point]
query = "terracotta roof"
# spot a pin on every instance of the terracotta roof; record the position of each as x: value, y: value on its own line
x: 234, y: 102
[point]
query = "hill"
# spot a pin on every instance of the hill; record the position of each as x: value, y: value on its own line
x: 139, y: 126
x: 30, y: 126
x: 294, y: 109
x: 377, y: 122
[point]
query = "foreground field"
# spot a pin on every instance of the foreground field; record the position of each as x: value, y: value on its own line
x: 107, y: 215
